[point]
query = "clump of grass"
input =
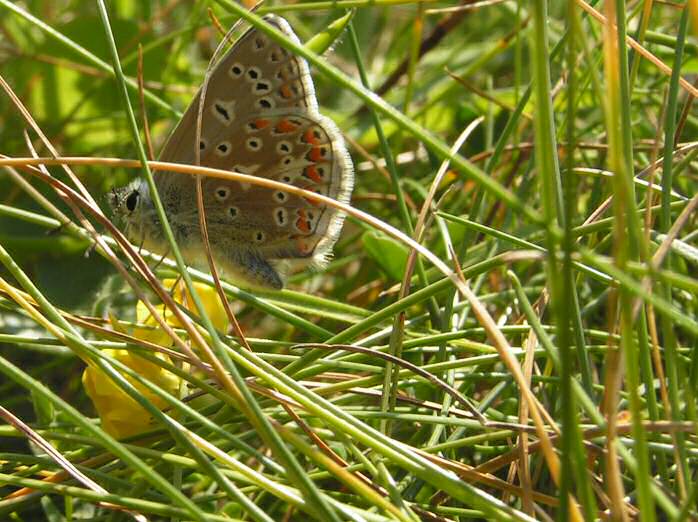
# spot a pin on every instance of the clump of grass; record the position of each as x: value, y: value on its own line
x: 507, y: 330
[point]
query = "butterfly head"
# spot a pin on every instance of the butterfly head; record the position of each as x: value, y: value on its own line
x: 131, y: 205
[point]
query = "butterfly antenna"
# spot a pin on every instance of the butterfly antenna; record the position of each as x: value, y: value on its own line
x: 89, y: 250
x: 161, y: 259
x: 172, y: 291
x: 58, y: 229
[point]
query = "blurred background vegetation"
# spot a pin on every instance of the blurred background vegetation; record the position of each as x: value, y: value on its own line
x: 550, y: 143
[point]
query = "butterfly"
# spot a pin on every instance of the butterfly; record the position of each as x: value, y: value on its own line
x: 260, y: 117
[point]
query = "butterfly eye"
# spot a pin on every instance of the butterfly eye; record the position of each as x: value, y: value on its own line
x: 132, y: 201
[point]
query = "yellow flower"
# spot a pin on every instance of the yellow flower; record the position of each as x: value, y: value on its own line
x: 152, y: 331
x: 121, y: 415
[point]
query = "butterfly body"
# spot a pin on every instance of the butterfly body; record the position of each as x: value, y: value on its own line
x: 260, y: 117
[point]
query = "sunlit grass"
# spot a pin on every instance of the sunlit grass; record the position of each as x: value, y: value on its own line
x: 507, y: 330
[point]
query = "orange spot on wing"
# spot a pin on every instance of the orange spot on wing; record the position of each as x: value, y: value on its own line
x: 309, y: 137
x: 315, y: 154
x: 313, y: 202
x: 285, y: 126
x: 260, y: 123
x: 302, y: 222
x: 286, y: 91
x: 312, y: 173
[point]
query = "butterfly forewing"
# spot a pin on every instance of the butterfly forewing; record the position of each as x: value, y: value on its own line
x: 255, y: 76
x: 260, y: 117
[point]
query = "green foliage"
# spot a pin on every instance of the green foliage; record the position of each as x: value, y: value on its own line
x: 569, y: 326
x: 390, y: 255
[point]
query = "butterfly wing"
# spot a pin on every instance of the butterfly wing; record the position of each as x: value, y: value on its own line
x: 260, y: 117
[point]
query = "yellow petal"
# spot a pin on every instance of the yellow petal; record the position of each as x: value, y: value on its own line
x: 152, y: 332
x: 121, y: 415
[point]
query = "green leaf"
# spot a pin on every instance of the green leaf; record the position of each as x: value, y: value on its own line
x: 326, y: 38
x: 390, y: 255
